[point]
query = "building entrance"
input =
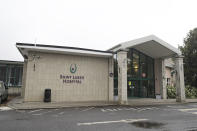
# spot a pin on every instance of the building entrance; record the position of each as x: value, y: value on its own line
x: 140, y: 75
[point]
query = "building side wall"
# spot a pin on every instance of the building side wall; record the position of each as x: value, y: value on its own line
x: 168, y: 72
x: 24, y: 78
x: 44, y: 72
x: 171, y: 77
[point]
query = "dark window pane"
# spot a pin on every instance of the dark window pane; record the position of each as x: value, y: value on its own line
x: 143, y: 89
x: 3, y: 73
x: 150, y: 67
x: 18, y: 76
x: 133, y: 88
x: 129, y: 63
x: 135, y: 65
x: 151, y: 89
x: 143, y: 66
x: 115, y: 66
x: 12, y: 77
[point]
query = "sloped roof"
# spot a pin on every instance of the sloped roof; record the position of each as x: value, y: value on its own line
x: 150, y: 45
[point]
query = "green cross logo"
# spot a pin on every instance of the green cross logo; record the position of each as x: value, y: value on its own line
x: 73, y: 68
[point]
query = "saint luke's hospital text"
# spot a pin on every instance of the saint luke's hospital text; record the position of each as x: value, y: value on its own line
x: 71, y: 79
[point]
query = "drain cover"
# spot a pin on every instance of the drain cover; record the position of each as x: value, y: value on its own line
x: 147, y: 124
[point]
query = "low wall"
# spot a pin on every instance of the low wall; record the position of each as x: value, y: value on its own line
x: 14, y: 91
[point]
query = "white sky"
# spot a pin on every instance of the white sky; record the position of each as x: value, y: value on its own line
x: 96, y: 24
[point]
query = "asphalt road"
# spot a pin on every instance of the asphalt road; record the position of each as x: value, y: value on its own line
x: 111, y: 118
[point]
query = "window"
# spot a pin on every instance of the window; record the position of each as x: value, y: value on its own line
x: 11, y: 75
x: 15, y: 76
x: 168, y: 81
x: 140, y: 75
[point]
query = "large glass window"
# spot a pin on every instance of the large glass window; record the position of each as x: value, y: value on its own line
x: 140, y: 75
x: 15, y: 76
x: 11, y: 75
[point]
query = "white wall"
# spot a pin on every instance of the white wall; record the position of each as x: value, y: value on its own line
x: 94, y: 87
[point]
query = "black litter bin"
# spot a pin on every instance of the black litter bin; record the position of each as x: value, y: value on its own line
x: 47, y: 95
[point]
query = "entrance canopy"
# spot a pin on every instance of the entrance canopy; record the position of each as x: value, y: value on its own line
x: 149, y: 45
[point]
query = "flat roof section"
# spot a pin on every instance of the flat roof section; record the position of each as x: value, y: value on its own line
x: 11, y: 62
x: 25, y: 47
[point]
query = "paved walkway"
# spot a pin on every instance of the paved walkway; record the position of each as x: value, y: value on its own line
x: 18, y: 103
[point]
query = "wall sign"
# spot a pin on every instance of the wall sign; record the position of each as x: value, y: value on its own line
x: 78, y: 79
x: 73, y: 68
x: 72, y: 79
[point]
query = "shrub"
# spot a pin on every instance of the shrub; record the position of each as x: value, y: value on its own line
x: 190, y: 92
x: 171, y: 92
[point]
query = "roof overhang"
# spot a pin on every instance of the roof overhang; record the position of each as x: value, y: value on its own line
x: 25, y: 48
x: 151, y: 46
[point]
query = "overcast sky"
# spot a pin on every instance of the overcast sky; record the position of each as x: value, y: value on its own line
x: 96, y: 24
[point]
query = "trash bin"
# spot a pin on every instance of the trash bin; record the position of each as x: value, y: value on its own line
x: 47, y: 95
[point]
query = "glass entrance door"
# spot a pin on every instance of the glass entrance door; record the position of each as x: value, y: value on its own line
x: 140, y: 75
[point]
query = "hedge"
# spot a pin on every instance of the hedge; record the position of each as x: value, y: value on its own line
x: 190, y: 92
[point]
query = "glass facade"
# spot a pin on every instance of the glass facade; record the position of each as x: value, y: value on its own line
x: 11, y: 74
x: 140, y: 75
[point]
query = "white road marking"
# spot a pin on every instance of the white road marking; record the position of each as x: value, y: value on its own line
x: 176, y: 107
x: 171, y: 106
x: 21, y: 111
x: 58, y: 114
x: 5, y: 108
x: 103, y: 110
x: 108, y: 109
x: 152, y: 108
x: 42, y: 113
x: 127, y: 109
x: 155, y: 108
x: 88, y: 109
x: 108, y: 122
x: 61, y: 113
x: 35, y: 111
x: 189, y: 109
x: 141, y: 110
x: 195, y: 113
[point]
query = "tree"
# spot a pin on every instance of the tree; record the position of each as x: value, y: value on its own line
x: 189, y: 51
